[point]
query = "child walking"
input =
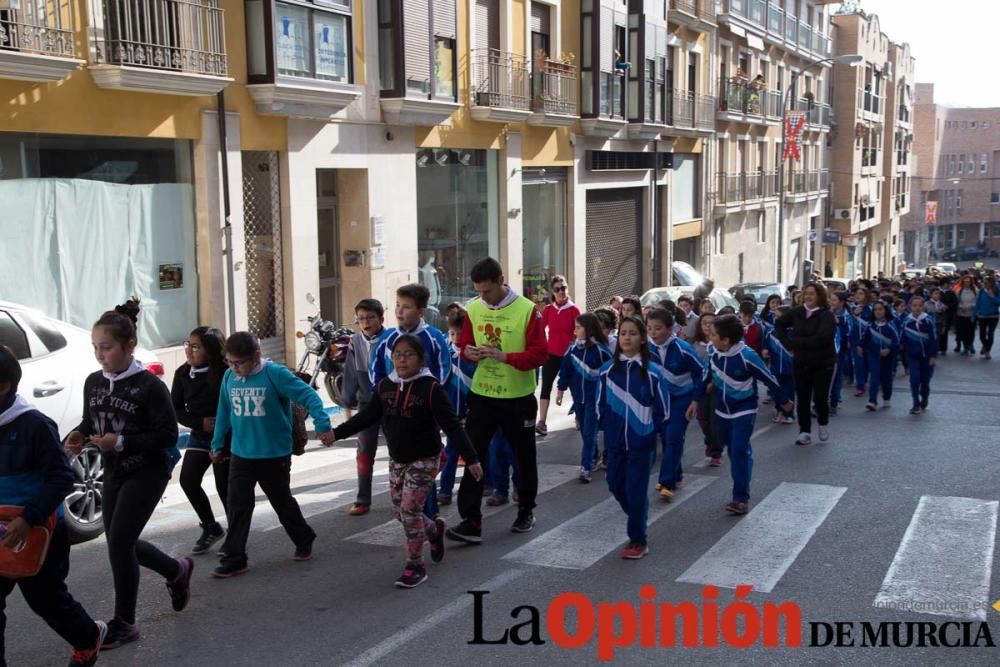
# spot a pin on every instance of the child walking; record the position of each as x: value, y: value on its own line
x: 862, y: 313
x: 734, y: 370
x: 779, y: 360
x: 631, y: 412
x: 195, y: 395
x: 921, y: 345
x: 680, y: 372
x: 845, y: 355
x: 459, y: 383
x: 879, y: 343
x: 129, y: 416
x: 255, y: 406
x: 580, y: 372
x: 412, y: 408
x: 706, y: 406
x: 35, y: 475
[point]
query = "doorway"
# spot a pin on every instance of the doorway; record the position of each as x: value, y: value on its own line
x: 328, y: 241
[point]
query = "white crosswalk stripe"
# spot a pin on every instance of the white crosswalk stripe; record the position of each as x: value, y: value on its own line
x: 588, y: 537
x: 390, y: 534
x: 945, y: 560
x: 764, y: 544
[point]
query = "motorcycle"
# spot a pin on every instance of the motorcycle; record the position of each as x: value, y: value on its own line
x: 326, y: 352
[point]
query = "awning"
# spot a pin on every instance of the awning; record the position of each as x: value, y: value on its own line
x: 755, y: 42
x: 737, y: 30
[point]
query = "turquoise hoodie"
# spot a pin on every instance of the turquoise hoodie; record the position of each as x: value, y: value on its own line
x: 257, y: 409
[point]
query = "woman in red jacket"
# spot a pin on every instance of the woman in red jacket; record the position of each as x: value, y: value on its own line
x: 559, y: 318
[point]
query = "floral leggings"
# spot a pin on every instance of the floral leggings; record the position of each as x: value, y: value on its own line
x: 409, y: 485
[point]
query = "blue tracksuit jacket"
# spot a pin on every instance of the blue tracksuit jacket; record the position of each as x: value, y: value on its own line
x: 920, y: 336
x: 735, y: 374
x: 679, y: 370
x: 437, y: 353
x: 580, y: 372
x: 460, y: 381
x: 880, y: 336
x: 631, y: 407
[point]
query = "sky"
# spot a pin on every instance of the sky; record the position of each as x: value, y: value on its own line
x: 953, y: 42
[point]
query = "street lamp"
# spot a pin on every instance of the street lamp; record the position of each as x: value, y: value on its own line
x: 849, y: 59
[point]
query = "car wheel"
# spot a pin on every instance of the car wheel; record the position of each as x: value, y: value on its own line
x: 85, y: 504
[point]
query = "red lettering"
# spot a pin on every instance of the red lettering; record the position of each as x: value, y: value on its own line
x: 793, y: 623
x: 647, y: 617
x: 710, y: 617
x: 555, y: 620
x: 751, y: 621
x: 607, y: 637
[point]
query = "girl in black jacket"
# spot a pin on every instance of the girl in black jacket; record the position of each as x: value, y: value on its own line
x: 127, y: 414
x: 195, y: 395
x: 814, y: 358
x: 413, y: 408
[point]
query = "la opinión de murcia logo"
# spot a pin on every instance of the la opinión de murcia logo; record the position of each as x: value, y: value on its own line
x: 574, y: 621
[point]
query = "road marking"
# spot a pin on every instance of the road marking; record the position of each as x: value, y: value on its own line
x: 945, y: 559
x: 406, y: 636
x: 588, y: 537
x: 756, y: 434
x: 764, y: 544
x: 390, y: 534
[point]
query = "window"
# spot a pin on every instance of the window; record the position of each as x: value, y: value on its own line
x: 986, y: 124
x: 761, y: 227
x: 961, y: 234
x: 995, y: 198
x: 444, y: 67
x: 685, y: 201
x: 46, y: 332
x: 983, y: 163
x: 720, y: 236
x: 13, y: 337
x: 965, y: 125
x: 417, y: 51
x: 947, y: 125
x: 972, y: 163
x: 314, y: 41
x: 995, y: 231
x: 923, y: 197
x: 958, y: 201
x: 972, y: 125
x: 961, y: 163
x: 544, y: 207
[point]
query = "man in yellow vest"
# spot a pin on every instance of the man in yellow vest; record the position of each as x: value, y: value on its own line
x: 504, y: 337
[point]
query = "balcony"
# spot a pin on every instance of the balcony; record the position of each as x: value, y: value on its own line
x: 174, y: 47
x: 554, y: 85
x: 748, y: 102
x: 611, y: 112
x: 737, y: 188
x: 704, y: 113
x: 500, y: 88
x: 807, y: 182
x: 706, y: 12
x: 697, y: 14
x: 36, y: 41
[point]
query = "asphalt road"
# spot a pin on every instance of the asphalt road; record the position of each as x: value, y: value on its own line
x: 895, y: 508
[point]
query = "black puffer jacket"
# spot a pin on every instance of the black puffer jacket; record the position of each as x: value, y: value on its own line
x: 812, y: 336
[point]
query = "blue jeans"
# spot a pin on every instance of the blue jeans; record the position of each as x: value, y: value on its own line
x: 501, y: 463
x: 921, y: 373
x: 671, y: 470
x: 880, y: 374
x: 736, y: 434
x: 836, y: 386
x: 449, y: 469
x: 586, y: 418
x: 628, y: 481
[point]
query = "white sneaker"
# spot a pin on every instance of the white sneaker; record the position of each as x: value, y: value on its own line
x: 788, y: 420
x: 871, y: 407
x: 824, y: 433
x: 803, y: 439
x: 885, y: 405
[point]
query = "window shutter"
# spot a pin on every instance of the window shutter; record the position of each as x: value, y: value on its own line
x: 607, y: 41
x: 487, y: 24
x: 445, y: 18
x: 416, y: 41
x: 540, y: 18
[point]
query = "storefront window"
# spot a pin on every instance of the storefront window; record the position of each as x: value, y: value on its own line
x: 685, y: 202
x: 457, y: 221
x: 544, y: 202
x: 90, y: 221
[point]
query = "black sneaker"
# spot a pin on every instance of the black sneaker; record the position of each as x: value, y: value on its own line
x: 119, y: 634
x: 303, y: 553
x: 180, y: 588
x: 916, y: 410
x: 437, y: 544
x: 923, y: 404
x: 228, y: 569
x: 210, y: 534
x: 467, y: 531
x: 524, y: 523
x: 412, y: 576
x: 87, y: 657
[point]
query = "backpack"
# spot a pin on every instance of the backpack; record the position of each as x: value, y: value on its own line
x: 300, y: 435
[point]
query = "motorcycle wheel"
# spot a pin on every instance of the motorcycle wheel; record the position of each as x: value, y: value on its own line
x: 334, y: 382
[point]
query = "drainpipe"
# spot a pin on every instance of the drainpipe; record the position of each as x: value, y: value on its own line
x: 655, y: 232
x: 227, y: 226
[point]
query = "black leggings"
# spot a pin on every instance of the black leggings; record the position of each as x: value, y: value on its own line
x: 812, y: 387
x: 129, y: 501
x: 965, y: 332
x: 196, y: 464
x: 987, y: 327
x: 549, y: 372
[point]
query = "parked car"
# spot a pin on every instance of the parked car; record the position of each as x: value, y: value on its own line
x: 943, y: 267
x: 836, y: 284
x: 686, y: 275
x: 964, y: 254
x: 759, y: 292
x: 914, y: 273
x: 719, y: 297
x: 56, y: 358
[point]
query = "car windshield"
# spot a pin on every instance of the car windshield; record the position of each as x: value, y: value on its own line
x: 654, y: 296
x: 758, y: 292
x: 685, y: 274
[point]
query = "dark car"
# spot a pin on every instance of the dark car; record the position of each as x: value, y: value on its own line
x: 759, y: 292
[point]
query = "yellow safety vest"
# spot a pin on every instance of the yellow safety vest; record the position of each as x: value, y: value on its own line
x: 506, y: 329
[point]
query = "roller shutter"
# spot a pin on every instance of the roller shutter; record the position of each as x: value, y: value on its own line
x: 614, y: 244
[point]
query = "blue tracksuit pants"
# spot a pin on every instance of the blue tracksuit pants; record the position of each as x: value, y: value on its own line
x: 586, y: 417
x: 881, y: 371
x: 860, y: 370
x: 836, y: 387
x: 736, y: 434
x: 921, y: 373
x: 628, y: 480
x: 501, y: 465
x: 674, y: 431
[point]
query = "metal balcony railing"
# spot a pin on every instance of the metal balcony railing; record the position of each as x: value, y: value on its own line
x: 704, y: 112
x: 683, y: 103
x: 43, y: 28
x: 555, y: 86
x: 686, y: 6
x: 807, y: 180
x: 706, y: 10
x: 180, y: 35
x: 500, y: 80
x: 734, y: 188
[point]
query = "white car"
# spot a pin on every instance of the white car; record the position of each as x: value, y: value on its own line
x: 56, y: 358
x: 944, y: 267
x: 718, y: 296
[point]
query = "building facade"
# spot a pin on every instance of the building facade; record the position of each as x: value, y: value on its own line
x: 772, y: 66
x: 872, y: 151
x: 957, y: 150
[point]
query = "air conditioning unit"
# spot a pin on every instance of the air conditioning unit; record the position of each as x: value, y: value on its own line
x: 842, y: 213
x: 866, y: 200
